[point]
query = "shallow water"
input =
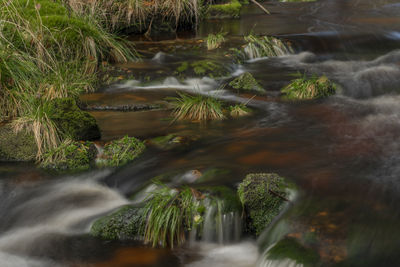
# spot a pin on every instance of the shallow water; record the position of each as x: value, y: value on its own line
x: 342, y: 152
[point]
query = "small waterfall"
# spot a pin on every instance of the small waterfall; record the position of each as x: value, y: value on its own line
x: 219, y: 226
x: 261, y: 47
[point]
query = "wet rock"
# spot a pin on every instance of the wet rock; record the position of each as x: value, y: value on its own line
x: 124, y: 224
x: 263, y: 196
x: 120, y: 152
x: 72, y: 121
x: 19, y: 146
x: 135, y: 107
x: 246, y: 82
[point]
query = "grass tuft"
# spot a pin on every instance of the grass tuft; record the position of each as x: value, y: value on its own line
x: 197, y: 108
x: 215, y: 41
x: 309, y: 88
x: 265, y: 46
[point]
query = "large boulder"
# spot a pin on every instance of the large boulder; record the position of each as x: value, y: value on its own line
x: 14, y: 146
x: 263, y: 196
x: 72, y: 121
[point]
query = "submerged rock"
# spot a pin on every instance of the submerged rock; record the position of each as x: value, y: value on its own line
x: 72, y: 121
x: 14, y: 146
x: 120, y: 152
x: 291, y: 250
x: 246, y: 82
x: 124, y: 224
x: 263, y: 196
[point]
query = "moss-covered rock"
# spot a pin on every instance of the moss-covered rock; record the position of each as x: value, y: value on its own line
x: 72, y: 121
x: 202, y: 68
x: 70, y: 156
x: 263, y: 196
x: 309, y: 88
x: 226, y: 10
x: 246, y: 82
x: 122, y: 151
x: 14, y: 146
x: 124, y: 224
x: 290, y: 248
x: 228, y: 197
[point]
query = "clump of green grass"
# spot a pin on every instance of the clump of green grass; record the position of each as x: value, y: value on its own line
x: 69, y: 155
x: 48, y: 52
x: 120, y: 14
x: 170, y: 213
x: 239, y: 110
x: 215, y: 41
x: 265, y: 46
x: 122, y: 151
x: 309, y: 88
x: 197, y: 108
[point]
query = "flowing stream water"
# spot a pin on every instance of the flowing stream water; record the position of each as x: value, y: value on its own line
x: 343, y: 152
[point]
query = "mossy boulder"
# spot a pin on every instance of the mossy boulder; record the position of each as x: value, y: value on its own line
x: 124, y: 224
x: 72, y: 121
x: 290, y: 248
x: 225, y: 10
x: 263, y: 196
x: 246, y: 82
x: 202, y: 68
x: 14, y: 146
x: 228, y: 197
x: 70, y: 156
x: 120, y: 152
x: 309, y: 88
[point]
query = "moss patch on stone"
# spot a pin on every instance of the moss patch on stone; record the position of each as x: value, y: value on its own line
x: 202, y: 68
x: 72, y: 121
x: 262, y: 195
x: 246, y: 82
x: 290, y: 248
x: 227, y: 10
x: 124, y: 224
x: 120, y: 152
x: 19, y: 146
x: 70, y: 156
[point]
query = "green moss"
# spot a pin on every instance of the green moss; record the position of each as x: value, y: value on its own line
x: 208, y: 68
x: 122, y: 151
x: 183, y: 67
x: 16, y: 146
x: 228, y: 10
x: 72, y: 121
x: 292, y: 249
x: 126, y: 223
x: 309, y: 88
x: 246, y: 82
x: 70, y: 156
x: 259, y: 194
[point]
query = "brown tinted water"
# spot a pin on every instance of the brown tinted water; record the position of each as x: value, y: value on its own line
x: 342, y: 152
